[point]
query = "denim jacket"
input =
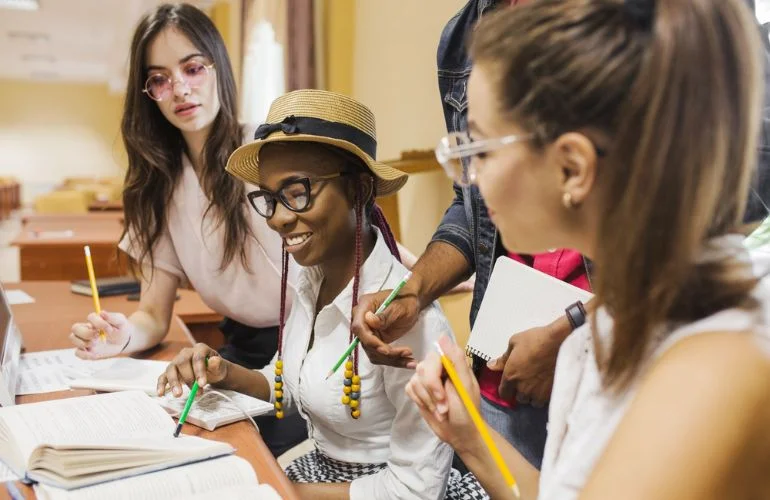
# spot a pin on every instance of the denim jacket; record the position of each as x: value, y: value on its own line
x: 466, y: 224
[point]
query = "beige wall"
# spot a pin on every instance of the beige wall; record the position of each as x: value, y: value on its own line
x: 394, y: 73
x: 49, y: 131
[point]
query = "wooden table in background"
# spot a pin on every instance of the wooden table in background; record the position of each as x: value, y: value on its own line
x: 45, y: 325
x: 106, y: 206
x: 51, y: 247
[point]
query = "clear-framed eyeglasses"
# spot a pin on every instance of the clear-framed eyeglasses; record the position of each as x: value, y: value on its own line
x: 160, y: 87
x: 456, y: 151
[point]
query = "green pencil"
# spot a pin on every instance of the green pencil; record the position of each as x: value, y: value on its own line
x: 379, y: 311
x: 188, y: 405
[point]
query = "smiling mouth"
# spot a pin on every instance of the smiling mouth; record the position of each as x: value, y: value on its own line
x: 292, y: 242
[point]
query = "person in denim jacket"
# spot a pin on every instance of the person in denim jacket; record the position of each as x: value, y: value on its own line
x: 466, y: 241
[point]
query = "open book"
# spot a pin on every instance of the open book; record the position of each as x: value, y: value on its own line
x: 76, y: 442
x: 230, y: 478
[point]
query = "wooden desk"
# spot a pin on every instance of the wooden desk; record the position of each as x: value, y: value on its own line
x: 106, y: 206
x: 45, y: 325
x: 51, y: 248
x: 68, y: 219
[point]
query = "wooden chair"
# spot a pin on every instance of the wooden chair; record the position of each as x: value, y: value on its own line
x: 64, y: 202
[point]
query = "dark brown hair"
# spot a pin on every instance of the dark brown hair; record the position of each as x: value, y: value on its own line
x: 675, y: 86
x: 155, y: 147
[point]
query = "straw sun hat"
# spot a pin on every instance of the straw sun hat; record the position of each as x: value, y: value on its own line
x: 323, y: 117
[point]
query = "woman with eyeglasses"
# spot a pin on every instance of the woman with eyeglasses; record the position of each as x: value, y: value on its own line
x: 314, y: 161
x: 626, y: 130
x: 186, y: 219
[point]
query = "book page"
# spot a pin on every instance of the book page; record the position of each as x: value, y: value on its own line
x: 211, y: 476
x: 105, y: 417
x: 260, y: 492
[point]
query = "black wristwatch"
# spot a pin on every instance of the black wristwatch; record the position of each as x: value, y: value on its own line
x: 576, y: 314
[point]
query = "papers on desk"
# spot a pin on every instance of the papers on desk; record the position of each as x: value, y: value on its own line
x: 16, y: 297
x: 53, y: 235
x: 6, y: 474
x: 60, y: 370
x: 49, y: 371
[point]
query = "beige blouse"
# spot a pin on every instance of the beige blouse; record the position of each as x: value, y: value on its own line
x: 191, y: 248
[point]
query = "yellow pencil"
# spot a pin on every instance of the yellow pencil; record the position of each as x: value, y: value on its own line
x: 94, y: 290
x: 478, y: 421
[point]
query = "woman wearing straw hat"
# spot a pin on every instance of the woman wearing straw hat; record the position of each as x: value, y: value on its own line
x: 186, y: 219
x: 314, y: 161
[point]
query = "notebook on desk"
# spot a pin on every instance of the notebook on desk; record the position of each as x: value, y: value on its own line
x: 518, y: 298
x: 78, y: 442
x: 123, y: 285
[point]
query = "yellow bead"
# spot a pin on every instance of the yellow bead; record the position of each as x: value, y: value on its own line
x: 278, y: 372
x: 353, y: 403
x: 356, y: 380
x: 278, y: 405
x: 278, y: 385
x: 349, y: 365
x: 355, y: 413
x: 355, y: 388
x: 279, y: 414
x: 346, y: 400
x: 348, y: 373
x: 279, y: 364
x: 278, y: 394
x: 346, y: 389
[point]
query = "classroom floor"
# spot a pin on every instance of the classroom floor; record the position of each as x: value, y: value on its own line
x: 10, y: 268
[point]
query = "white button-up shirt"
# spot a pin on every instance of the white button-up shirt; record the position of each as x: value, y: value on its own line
x: 390, y: 429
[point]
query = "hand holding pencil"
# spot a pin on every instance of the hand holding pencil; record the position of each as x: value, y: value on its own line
x: 448, y: 396
x: 104, y: 334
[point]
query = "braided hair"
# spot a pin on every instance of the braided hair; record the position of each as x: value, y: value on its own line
x: 363, y: 208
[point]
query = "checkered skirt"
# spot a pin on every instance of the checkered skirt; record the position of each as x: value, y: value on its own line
x: 315, y: 467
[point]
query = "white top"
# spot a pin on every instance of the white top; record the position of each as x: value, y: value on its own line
x: 583, y: 417
x: 191, y: 248
x: 390, y: 429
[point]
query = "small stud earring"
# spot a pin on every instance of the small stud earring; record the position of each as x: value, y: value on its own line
x: 567, y: 201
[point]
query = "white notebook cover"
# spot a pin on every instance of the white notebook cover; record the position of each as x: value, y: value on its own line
x: 518, y: 298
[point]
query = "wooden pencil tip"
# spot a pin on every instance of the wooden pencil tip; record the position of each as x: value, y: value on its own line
x: 178, y: 430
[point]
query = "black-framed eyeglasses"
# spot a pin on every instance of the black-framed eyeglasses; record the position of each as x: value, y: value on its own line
x: 294, y: 194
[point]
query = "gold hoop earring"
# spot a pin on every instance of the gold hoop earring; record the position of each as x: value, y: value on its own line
x: 567, y: 201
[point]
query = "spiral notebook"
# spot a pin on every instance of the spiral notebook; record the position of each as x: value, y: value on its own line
x: 518, y: 298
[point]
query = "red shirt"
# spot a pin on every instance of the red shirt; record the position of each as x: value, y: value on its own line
x: 566, y: 265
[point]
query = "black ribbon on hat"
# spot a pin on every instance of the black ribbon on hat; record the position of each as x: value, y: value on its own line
x: 642, y: 12
x: 292, y: 125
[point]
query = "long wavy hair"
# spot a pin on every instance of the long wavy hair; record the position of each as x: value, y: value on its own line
x: 155, y: 147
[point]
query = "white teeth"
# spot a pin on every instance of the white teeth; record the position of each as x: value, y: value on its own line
x: 296, y: 240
